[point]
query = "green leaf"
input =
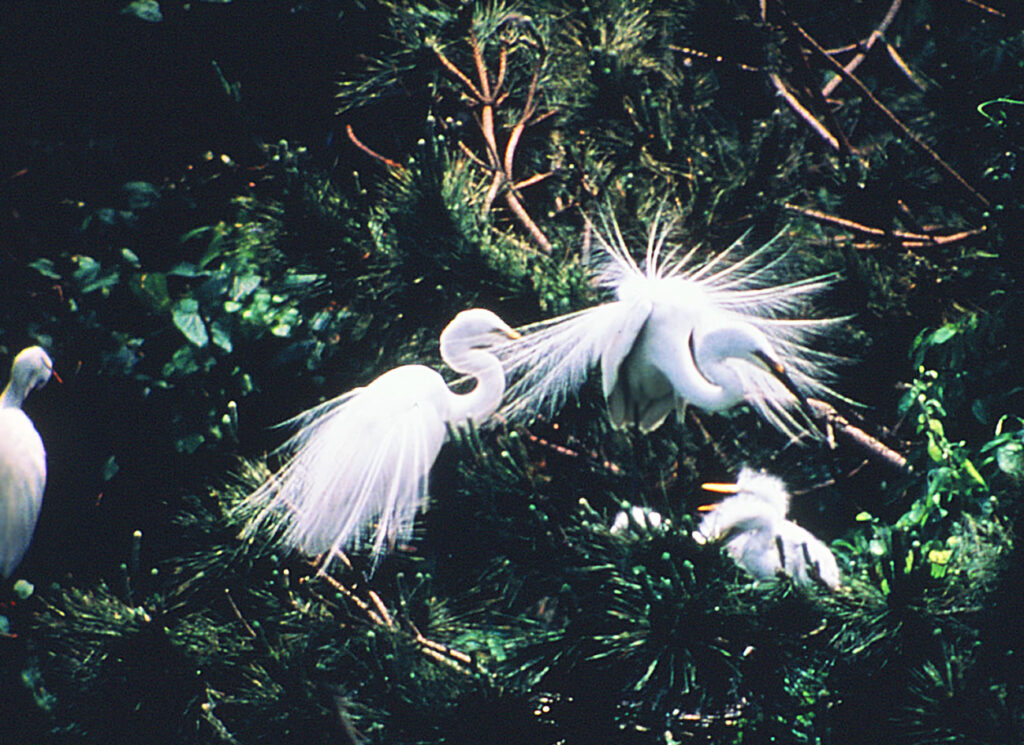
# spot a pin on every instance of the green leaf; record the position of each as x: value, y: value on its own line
x: 45, y: 267
x: 145, y: 10
x: 151, y: 289
x: 973, y: 472
x: 943, y: 334
x: 189, y: 322
x: 221, y: 336
x: 242, y: 287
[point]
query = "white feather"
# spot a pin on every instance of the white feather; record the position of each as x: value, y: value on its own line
x: 655, y: 310
x: 753, y: 527
x: 22, y: 459
x: 358, y: 466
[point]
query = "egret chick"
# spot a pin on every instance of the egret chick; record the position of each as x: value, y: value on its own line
x: 22, y: 458
x: 752, y: 523
x: 714, y: 335
x: 358, y: 465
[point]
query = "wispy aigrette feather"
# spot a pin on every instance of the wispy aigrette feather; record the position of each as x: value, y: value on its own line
x: 732, y: 328
x: 357, y: 468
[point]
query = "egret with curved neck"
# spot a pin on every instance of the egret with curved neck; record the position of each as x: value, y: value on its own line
x: 715, y: 335
x: 358, y: 465
x: 22, y: 459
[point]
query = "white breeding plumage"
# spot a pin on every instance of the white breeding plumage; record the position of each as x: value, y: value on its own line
x: 757, y: 536
x: 359, y: 463
x: 22, y: 459
x: 713, y: 335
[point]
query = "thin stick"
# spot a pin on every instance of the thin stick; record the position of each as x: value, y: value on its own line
x: 894, y: 120
x: 985, y: 8
x: 803, y: 113
x: 854, y: 63
x: 238, y: 614
x: 372, y: 153
x: 858, y: 436
x: 907, y: 239
x: 450, y: 66
x: 904, y: 67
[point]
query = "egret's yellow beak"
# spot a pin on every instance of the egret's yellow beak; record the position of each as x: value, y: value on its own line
x: 513, y: 334
x: 721, y: 488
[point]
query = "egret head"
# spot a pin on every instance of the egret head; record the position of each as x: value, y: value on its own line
x: 31, y: 369
x: 471, y: 329
x: 757, y: 486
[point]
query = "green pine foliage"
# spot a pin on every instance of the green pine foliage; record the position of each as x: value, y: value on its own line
x: 475, y: 143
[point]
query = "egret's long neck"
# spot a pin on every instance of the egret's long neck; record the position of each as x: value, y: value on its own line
x: 484, y: 399
x: 13, y: 396
x: 709, y: 354
x: 691, y: 379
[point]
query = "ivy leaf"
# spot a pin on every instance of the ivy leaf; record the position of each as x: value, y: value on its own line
x: 151, y: 289
x: 189, y: 322
x: 221, y: 336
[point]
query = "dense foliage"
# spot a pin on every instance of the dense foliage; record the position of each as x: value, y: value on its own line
x: 216, y: 215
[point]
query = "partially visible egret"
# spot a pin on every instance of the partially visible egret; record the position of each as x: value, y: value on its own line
x: 643, y: 517
x: 22, y: 458
x: 714, y: 335
x: 757, y: 536
x: 359, y: 464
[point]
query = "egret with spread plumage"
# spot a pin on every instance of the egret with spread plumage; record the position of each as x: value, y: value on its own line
x: 714, y: 334
x: 358, y: 465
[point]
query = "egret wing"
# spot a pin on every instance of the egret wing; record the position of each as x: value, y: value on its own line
x: 358, y: 467
x: 22, y: 481
x: 551, y: 360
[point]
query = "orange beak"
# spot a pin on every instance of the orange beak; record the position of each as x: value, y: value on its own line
x: 719, y: 489
x: 513, y: 334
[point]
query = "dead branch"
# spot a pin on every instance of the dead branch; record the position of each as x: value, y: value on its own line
x: 854, y: 63
x: 859, y: 437
x: 893, y: 119
x: 987, y: 9
x: 500, y: 165
x: 906, y: 239
x: 372, y: 153
x: 803, y: 113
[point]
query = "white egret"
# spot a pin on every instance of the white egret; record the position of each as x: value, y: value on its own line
x: 757, y: 536
x: 359, y: 463
x: 22, y: 458
x: 714, y: 335
x: 643, y: 517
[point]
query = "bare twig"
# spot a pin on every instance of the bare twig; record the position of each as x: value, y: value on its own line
x: 803, y: 113
x: 372, y: 153
x: 904, y: 67
x: 238, y: 614
x: 450, y: 67
x: 987, y: 9
x: 908, y: 240
x: 854, y: 63
x: 501, y: 168
x: 690, y: 51
x: 859, y: 437
x: 893, y: 119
